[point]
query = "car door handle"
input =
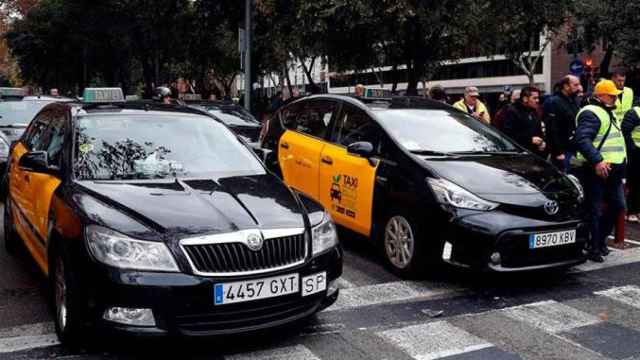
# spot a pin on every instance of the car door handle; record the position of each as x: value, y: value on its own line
x: 284, y: 145
x: 327, y: 160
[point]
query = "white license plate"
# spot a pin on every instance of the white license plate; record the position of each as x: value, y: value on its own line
x: 241, y: 291
x: 314, y: 284
x: 552, y: 239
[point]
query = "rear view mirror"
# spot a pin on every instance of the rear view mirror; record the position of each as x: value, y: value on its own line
x: 362, y: 148
x: 36, y: 161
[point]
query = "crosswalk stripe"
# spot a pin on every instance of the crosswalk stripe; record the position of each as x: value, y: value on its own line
x: 42, y: 328
x: 434, y: 340
x: 629, y: 295
x: 296, y: 352
x: 550, y: 316
x: 13, y: 344
x: 384, y: 293
x: 616, y: 258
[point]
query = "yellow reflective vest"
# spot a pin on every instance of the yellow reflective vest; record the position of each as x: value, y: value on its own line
x: 625, y: 105
x: 480, y: 107
x: 613, y: 149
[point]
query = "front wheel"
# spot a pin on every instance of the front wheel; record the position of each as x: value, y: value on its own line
x: 66, y: 300
x: 402, y: 245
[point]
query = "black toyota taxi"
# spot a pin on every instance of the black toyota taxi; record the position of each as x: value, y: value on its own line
x: 428, y: 184
x: 155, y: 219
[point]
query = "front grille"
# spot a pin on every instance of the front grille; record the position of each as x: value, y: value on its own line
x: 236, y: 258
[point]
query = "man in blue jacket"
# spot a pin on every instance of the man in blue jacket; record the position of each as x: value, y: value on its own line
x: 602, y: 152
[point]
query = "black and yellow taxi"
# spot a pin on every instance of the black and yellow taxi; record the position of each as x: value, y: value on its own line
x: 428, y: 183
x: 156, y: 219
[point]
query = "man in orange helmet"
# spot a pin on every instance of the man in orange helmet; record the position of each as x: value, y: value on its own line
x: 602, y: 152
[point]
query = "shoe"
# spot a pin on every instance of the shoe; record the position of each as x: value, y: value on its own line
x: 633, y: 219
x: 595, y: 257
x: 605, y: 251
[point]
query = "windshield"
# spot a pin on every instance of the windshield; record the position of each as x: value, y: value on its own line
x: 234, y: 117
x: 20, y: 112
x: 442, y: 131
x: 157, y: 146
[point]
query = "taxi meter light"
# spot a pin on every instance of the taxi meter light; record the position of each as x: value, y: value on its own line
x: 103, y: 95
x: 7, y: 92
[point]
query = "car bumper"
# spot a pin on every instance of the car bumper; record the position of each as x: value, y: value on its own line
x: 499, y: 241
x: 183, y: 304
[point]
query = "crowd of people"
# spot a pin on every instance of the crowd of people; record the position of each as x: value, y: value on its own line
x: 595, y: 137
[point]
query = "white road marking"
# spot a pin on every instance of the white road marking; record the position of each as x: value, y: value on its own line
x: 297, y: 352
x: 384, y: 293
x: 43, y: 328
x: 13, y: 344
x: 434, y: 340
x: 550, y: 316
x: 616, y: 258
x: 626, y: 240
x: 629, y: 295
x: 344, y: 283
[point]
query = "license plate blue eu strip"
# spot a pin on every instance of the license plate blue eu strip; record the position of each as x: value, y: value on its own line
x: 532, y: 241
x: 219, y: 294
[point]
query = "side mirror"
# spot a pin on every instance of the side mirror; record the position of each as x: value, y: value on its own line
x: 36, y: 161
x: 361, y: 148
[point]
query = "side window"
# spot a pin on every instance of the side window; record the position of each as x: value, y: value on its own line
x: 289, y: 115
x: 355, y: 125
x: 35, y: 134
x: 56, y: 135
x: 316, y: 117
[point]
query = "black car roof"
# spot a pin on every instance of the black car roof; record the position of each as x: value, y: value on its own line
x: 395, y: 102
x: 134, y: 107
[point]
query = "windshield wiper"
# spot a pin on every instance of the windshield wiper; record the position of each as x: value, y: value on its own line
x: 431, y: 152
x: 492, y: 152
x: 14, y: 126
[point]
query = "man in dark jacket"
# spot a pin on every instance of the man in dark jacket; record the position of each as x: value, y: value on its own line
x: 631, y: 132
x: 560, y: 112
x: 522, y: 124
x: 602, y: 152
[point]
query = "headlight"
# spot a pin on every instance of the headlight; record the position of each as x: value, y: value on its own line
x: 4, y: 148
x: 578, y: 186
x: 114, y: 249
x: 324, y: 235
x: 451, y: 194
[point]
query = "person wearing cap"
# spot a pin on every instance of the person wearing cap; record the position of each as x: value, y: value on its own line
x: 472, y: 105
x: 602, y: 155
x: 624, y: 102
x: 631, y: 131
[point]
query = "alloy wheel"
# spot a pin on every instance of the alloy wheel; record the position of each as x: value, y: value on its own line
x: 399, y: 241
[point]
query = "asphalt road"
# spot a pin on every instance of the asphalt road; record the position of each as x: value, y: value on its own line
x: 592, y: 312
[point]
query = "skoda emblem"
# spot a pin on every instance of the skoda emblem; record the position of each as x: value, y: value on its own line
x: 551, y: 207
x: 254, y: 242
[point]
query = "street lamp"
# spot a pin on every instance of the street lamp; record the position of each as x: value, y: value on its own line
x: 247, y: 57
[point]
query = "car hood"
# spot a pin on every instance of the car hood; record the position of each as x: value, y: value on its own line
x: 517, y: 179
x: 181, y: 207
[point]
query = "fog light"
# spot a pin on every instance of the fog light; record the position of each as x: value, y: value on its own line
x: 332, y: 288
x: 495, y: 258
x: 446, y: 251
x: 130, y: 316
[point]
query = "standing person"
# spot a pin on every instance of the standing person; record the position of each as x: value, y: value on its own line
x: 498, y: 120
x: 601, y: 149
x: 624, y: 102
x: 360, y: 90
x: 631, y: 132
x: 472, y: 105
x: 522, y: 123
x: 560, y: 111
x: 438, y: 93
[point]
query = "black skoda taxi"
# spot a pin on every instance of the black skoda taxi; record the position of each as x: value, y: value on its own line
x: 156, y: 219
x: 428, y: 184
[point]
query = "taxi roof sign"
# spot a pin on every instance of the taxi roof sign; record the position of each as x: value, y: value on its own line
x: 378, y: 93
x: 9, y: 92
x: 103, y: 95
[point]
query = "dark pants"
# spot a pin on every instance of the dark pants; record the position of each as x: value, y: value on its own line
x: 598, y: 192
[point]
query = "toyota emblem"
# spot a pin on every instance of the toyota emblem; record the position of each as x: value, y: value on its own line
x: 551, y: 207
x: 254, y: 242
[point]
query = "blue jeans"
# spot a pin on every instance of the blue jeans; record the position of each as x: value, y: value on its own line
x: 600, y: 191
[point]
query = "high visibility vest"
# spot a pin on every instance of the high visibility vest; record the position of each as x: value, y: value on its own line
x: 635, y: 133
x: 460, y: 105
x: 613, y: 150
x: 625, y: 105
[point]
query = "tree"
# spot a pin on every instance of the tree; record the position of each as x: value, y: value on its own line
x: 522, y: 30
x: 613, y: 24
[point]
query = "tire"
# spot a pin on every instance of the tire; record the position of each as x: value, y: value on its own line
x: 66, y: 299
x: 11, y: 239
x: 401, y: 244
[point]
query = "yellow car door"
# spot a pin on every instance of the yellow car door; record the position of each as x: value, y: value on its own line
x: 347, y: 180
x: 302, y: 143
